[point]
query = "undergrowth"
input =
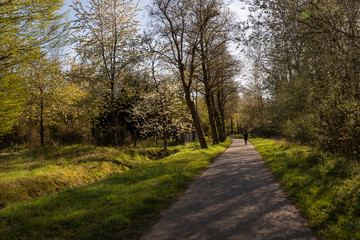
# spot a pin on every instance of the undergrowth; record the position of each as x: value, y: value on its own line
x: 325, y: 188
x: 118, y: 207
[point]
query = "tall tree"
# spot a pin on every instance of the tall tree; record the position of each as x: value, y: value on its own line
x: 48, y: 94
x: 216, y: 27
x: 106, y: 41
x: 309, y: 51
x: 176, y: 25
x: 27, y: 26
x: 12, y: 99
x: 28, y: 29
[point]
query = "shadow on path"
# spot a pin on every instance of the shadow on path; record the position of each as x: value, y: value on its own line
x: 236, y: 198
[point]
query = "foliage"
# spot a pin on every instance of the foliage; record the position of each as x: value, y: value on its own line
x: 107, y: 44
x: 29, y: 29
x: 161, y: 113
x: 160, y: 110
x: 325, y: 188
x: 11, y: 101
x: 122, y: 206
x: 308, y: 52
x: 50, y: 98
x: 218, y: 66
x: 252, y: 106
x: 178, y: 36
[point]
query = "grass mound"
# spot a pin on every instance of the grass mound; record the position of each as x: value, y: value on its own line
x: 121, y: 206
x: 32, y: 172
x: 325, y: 188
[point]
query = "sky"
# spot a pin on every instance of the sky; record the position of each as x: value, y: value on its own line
x: 235, y: 5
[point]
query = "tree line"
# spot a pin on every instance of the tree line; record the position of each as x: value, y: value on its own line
x: 305, y: 82
x: 119, y: 85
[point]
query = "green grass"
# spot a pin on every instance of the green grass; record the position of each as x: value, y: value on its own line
x: 28, y: 172
x: 325, y: 188
x: 121, y: 206
x: 238, y: 135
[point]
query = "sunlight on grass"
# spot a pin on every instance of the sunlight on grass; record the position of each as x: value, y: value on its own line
x: 31, y: 172
x: 325, y: 188
x: 121, y: 206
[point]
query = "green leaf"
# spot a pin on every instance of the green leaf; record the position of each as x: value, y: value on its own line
x: 305, y: 14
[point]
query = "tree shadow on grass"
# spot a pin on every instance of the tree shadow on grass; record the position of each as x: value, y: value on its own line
x: 122, y: 204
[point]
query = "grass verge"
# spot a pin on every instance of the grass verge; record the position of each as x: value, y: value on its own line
x: 29, y: 172
x: 120, y: 206
x: 325, y: 188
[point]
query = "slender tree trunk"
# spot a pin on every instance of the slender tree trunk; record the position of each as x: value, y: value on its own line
x: 191, y: 104
x: 195, y: 118
x: 206, y: 82
x: 232, y: 126
x: 42, y: 142
x: 113, y: 113
x: 114, y: 127
x: 222, y: 117
x: 135, y: 138
x: 222, y: 136
x: 164, y: 133
x: 165, y: 140
x: 214, y: 133
x: 223, y: 125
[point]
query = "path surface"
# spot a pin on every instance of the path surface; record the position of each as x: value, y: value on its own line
x: 236, y: 198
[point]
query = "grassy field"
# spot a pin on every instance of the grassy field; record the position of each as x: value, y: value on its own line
x: 26, y: 172
x: 120, y: 206
x: 325, y: 188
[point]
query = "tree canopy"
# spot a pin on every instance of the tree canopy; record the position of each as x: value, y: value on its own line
x: 181, y: 75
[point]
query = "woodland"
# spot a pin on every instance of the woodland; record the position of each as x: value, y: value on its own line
x: 180, y: 75
x: 96, y: 115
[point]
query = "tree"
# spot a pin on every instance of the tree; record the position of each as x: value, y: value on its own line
x: 216, y: 28
x: 161, y: 112
x: 27, y: 26
x: 179, y: 32
x: 48, y: 94
x: 107, y: 43
x: 252, y: 105
x: 12, y: 100
x: 28, y: 30
x: 309, y: 51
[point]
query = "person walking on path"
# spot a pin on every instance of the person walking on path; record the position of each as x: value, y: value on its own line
x: 236, y: 198
x: 246, y: 137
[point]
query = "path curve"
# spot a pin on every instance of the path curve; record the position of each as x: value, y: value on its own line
x: 236, y: 198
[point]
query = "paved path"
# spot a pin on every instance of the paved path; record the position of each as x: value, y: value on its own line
x: 236, y: 198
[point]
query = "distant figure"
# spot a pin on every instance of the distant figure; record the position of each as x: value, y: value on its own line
x: 246, y: 137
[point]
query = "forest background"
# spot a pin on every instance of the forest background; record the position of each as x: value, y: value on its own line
x: 119, y: 85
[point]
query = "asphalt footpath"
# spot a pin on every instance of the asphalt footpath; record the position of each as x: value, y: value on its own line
x: 236, y: 198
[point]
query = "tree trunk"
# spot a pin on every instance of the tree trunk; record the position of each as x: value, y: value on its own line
x: 223, y: 126
x: 42, y: 142
x: 164, y: 133
x: 165, y: 141
x: 113, y: 111
x: 214, y: 133
x: 135, y: 138
x: 206, y: 82
x: 195, y: 118
x: 221, y: 131
x: 222, y: 117
x: 114, y: 127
